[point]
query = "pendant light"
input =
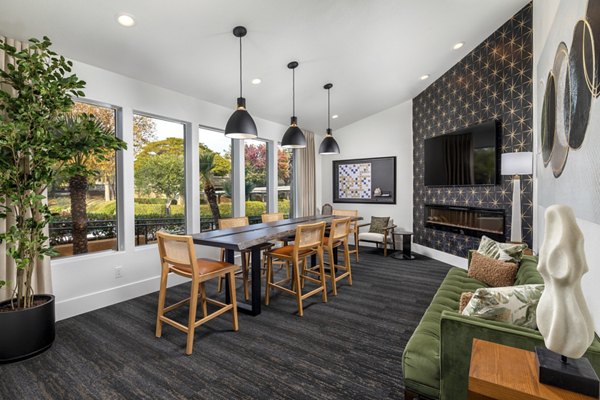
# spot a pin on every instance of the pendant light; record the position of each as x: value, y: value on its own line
x: 329, y: 145
x: 240, y: 124
x: 293, y: 138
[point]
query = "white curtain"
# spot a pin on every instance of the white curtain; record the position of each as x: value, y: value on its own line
x: 42, y: 279
x: 306, y: 175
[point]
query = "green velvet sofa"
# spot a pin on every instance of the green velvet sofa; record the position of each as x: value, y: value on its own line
x: 436, y: 359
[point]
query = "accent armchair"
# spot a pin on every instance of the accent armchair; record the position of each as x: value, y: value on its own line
x: 380, y: 235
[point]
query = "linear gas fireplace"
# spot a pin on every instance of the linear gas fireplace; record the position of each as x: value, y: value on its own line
x: 469, y: 221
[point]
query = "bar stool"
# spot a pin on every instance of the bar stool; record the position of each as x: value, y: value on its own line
x: 353, y: 227
x: 338, y: 236
x: 309, y: 241
x: 178, y: 255
x: 226, y: 223
x: 272, y: 217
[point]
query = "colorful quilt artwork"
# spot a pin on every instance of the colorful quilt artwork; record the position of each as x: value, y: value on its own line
x: 355, y: 181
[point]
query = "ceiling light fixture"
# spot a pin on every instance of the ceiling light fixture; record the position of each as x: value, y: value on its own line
x: 126, y: 20
x: 256, y: 81
x: 335, y: 116
x: 329, y: 145
x: 423, y: 77
x: 240, y: 124
x: 293, y: 138
x: 458, y: 45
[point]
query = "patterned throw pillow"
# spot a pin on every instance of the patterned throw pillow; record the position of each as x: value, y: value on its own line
x: 501, y: 251
x: 465, y: 298
x: 516, y: 305
x: 378, y: 224
x: 492, y: 272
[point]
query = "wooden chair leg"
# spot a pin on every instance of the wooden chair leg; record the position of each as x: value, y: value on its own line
x: 220, y: 284
x: 233, y: 301
x: 269, y: 278
x: 298, y: 291
x: 203, y: 299
x: 302, y: 280
x: 192, y: 318
x: 322, y: 271
x: 347, y: 263
x: 332, y: 267
x: 162, y: 294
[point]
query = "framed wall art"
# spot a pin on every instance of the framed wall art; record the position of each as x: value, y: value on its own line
x: 365, y: 180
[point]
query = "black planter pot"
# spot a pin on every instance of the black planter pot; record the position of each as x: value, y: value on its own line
x: 26, y: 333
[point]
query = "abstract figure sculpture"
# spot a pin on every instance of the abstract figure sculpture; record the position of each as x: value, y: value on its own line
x: 563, y: 317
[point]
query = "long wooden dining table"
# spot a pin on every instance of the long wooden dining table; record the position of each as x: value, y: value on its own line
x: 254, y: 238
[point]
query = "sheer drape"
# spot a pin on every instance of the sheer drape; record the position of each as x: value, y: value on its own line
x: 306, y: 177
x: 42, y: 280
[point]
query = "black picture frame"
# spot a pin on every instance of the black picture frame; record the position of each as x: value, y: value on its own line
x: 382, y: 176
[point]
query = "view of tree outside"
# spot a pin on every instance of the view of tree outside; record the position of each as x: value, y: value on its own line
x: 99, y: 199
x: 285, y: 173
x: 215, y: 177
x: 255, y: 162
x: 159, y: 175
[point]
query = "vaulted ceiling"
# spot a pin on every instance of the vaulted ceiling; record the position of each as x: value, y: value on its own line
x: 374, y: 52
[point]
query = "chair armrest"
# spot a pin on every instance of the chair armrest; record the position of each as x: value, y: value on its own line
x: 387, y: 228
x: 457, y: 332
x: 362, y: 225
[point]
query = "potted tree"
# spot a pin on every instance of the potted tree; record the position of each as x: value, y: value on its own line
x: 35, y: 148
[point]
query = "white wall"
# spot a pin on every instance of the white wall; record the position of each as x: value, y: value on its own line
x: 388, y: 133
x: 553, y: 22
x: 84, y: 283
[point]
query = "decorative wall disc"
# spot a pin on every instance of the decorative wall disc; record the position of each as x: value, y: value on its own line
x: 581, y: 96
x: 592, y: 53
x: 548, y: 119
x: 560, y: 70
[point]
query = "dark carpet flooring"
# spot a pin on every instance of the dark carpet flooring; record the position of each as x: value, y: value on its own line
x: 348, y: 348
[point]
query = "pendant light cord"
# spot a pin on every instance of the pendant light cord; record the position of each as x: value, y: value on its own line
x: 241, y: 67
x: 328, y: 109
x: 293, y: 91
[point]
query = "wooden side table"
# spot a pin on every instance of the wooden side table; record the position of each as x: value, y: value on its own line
x: 507, y: 373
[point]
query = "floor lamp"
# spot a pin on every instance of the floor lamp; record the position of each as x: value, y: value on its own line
x: 515, y: 165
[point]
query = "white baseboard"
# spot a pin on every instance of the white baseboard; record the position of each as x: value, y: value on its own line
x: 92, y: 301
x: 440, y: 255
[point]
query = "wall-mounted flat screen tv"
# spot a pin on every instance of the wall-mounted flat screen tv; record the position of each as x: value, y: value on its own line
x: 469, y: 156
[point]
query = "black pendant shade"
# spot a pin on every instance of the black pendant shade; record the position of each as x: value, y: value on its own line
x: 240, y: 124
x: 293, y: 138
x: 329, y: 145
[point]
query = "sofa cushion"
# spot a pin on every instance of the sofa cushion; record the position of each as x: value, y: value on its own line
x: 373, y: 237
x: 492, y: 272
x: 501, y: 251
x: 421, y: 358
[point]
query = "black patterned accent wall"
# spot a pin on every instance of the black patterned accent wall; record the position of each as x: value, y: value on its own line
x: 494, y: 81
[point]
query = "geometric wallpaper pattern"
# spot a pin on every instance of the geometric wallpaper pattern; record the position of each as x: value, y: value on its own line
x: 494, y: 81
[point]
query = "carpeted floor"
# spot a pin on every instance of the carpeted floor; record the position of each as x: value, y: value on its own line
x: 348, y: 348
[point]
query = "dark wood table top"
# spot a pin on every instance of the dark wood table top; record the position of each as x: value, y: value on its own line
x: 246, y: 237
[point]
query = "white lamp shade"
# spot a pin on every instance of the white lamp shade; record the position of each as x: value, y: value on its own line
x: 520, y: 163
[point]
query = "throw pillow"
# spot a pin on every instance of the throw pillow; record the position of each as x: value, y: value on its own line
x: 378, y: 224
x: 492, y: 272
x: 465, y: 297
x: 514, y: 304
x: 501, y: 251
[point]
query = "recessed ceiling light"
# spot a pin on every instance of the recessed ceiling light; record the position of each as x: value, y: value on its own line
x: 423, y: 77
x: 458, y: 45
x: 126, y: 20
x: 256, y: 81
x: 334, y: 116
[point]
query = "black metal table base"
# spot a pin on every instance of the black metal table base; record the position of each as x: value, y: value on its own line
x: 254, y: 307
x: 406, y: 253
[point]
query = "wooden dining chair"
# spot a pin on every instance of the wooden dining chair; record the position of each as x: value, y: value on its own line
x: 309, y: 241
x: 178, y: 255
x: 226, y: 223
x: 338, y: 237
x: 271, y: 217
x: 353, y: 227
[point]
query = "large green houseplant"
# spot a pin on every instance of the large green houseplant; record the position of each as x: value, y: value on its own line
x: 36, y: 146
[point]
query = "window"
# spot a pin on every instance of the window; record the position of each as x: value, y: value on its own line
x: 159, y: 175
x: 215, y: 177
x: 84, y: 206
x: 256, y: 167
x: 285, y: 174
